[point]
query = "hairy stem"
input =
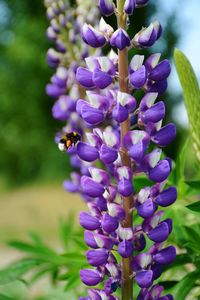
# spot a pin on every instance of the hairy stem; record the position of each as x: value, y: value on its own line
x: 127, y: 281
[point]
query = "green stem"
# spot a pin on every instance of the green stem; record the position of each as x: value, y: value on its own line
x: 127, y: 281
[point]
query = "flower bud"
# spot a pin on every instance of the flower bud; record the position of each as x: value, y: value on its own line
x: 129, y: 6
x: 120, y: 39
x: 92, y: 37
x: 106, y: 7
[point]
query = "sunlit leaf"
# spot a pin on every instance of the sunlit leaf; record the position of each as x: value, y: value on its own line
x: 191, y: 94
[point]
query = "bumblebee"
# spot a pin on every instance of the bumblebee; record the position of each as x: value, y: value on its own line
x: 68, y: 140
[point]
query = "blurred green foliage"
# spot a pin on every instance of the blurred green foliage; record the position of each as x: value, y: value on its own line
x: 27, y: 128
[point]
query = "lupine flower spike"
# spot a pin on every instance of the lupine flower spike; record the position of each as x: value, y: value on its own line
x: 107, y: 109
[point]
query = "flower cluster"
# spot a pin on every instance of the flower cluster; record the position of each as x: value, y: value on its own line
x: 64, y: 31
x: 123, y: 139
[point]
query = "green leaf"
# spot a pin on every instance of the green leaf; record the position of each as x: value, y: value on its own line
x: 194, y: 206
x: 72, y: 282
x: 16, y: 270
x: 191, y: 94
x: 194, y: 184
x: 183, y: 288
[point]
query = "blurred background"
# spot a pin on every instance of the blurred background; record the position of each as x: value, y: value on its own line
x: 31, y: 167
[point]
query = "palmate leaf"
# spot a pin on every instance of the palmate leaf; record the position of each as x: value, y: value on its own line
x: 191, y: 94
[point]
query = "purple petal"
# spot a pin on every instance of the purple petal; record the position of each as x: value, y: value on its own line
x: 165, y: 135
x: 91, y: 188
x: 125, y: 248
x: 84, y: 77
x: 125, y: 187
x: 120, y: 113
x: 97, y: 257
x: 165, y: 256
x: 107, y: 154
x: 101, y: 79
x: 161, y: 71
x: 137, y: 151
x: 91, y: 115
x: 109, y: 223
x: 159, y: 233
x: 167, y: 197
x: 160, y: 172
x: 106, y: 7
x: 88, y: 221
x: 157, y: 87
x: 89, y: 239
x: 147, y: 37
x: 155, y: 113
x: 129, y: 6
x: 87, y: 152
x: 103, y: 241
x: 54, y: 91
x: 144, y: 278
x: 147, y: 209
x: 90, y: 277
x: 139, y: 77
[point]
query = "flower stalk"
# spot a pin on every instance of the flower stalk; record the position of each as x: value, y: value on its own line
x: 128, y: 203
